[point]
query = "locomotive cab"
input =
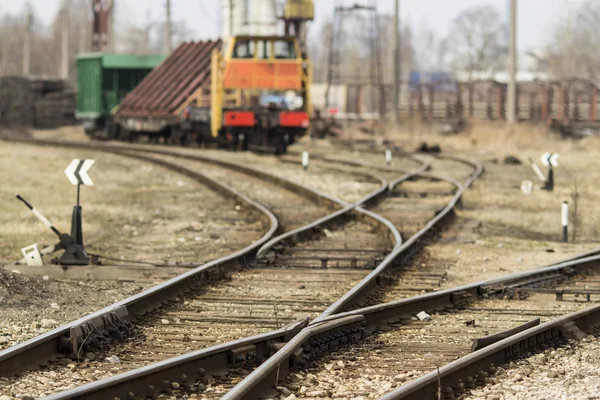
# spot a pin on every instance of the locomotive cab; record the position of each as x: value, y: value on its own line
x: 260, y: 92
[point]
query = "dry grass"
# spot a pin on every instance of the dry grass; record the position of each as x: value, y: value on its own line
x: 479, y: 137
x: 135, y: 210
x: 74, y: 132
x: 496, y: 197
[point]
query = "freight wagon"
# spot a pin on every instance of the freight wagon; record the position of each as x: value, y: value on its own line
x: 103, y: 81
x: 256, y: 96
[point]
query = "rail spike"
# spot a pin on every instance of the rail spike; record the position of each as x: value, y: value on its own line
x: 94, y: 333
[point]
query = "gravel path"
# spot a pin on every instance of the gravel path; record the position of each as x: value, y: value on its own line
x: 32, y: 306
x: 571, y: 372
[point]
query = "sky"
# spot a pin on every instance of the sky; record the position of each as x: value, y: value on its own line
x: 535, y: 17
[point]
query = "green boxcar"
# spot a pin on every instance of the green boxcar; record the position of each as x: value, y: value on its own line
x: 103, y: 81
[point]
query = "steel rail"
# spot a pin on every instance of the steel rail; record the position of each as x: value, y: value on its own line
x: 443, y: 298
x: 474, y: 368
x: 378, y: 194
x: 265, y: 377
x: 215, y: 359
x: 48, y: 345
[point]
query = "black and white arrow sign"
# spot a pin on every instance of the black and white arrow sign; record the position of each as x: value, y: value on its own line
x: 550, y: 159
x: 77, y: 172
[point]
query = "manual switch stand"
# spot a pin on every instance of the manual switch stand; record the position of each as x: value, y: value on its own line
x: 74, y: 253
x: 72, y: 244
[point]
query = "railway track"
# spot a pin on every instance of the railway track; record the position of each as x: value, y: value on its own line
x: 211, y: 308
x: 116, y: 319
x: 331, y: 331
x: 406, y: 347
x: 404, y: 351
x: 248, y: 351
x: 329, y: 370
x: 412, y: 200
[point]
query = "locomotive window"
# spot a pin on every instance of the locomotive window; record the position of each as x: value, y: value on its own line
x: 264, y: 49
x: 285, y: 49
x: 243, y: 49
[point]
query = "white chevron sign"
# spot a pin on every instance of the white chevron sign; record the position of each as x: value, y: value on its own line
x: 550, y: 159
x: 77, y: 172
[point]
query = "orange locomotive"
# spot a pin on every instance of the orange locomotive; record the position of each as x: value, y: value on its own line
x: 256, y: 68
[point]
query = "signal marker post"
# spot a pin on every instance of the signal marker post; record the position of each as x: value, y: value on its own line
x: 305, y: 159
x: 77, y: 174
x: 550, y: 160
x: 565, y: 221
x: 388, y: 157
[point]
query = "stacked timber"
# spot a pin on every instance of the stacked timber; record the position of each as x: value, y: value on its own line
x: 16, y: 101
x: 55, y: 110
x: 38, y: 103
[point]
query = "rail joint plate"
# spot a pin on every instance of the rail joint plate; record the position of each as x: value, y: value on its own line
x: 96, y: 332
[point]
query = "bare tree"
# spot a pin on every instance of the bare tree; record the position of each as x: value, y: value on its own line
x: 133, y: 40
x: 13, y: 31
x: 574, y: 44
x: 431, y: 51
x: 407, y: 50
x: 478, y: 40
x: 148, y: 39
x: 354, y: 49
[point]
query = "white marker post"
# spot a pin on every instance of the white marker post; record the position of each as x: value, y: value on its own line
x: 526, y: 187
x: 388, y: 156
x: 305, y: 160
x: 565, y: 220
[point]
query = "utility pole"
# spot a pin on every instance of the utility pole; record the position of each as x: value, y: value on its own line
x: 231, y: 19
x: 83, y: 37
x: 64, y: 66
x: 27, y: 44
x: 396, y: 64
x: 111, y: 27
x: 512, y: 65
x: 168, y: 29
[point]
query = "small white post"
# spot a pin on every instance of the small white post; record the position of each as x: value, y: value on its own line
x: 388, y: 156
x: 526, y: 187
x: 305, y: 160
x: 565, y: 221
